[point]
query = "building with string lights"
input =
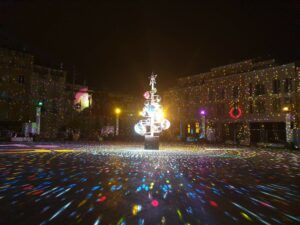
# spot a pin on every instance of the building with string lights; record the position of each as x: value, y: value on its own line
x: 15, y: 68
x: 41, y: 97
x: 245, y: 103
x: 26, y: 85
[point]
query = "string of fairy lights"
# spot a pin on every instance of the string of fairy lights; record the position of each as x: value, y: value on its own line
x: 244, y: 88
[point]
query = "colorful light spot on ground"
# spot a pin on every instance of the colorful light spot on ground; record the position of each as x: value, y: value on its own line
x: 213, y: 203
x: 136, y: 209
x: 246, y: 216
x: 101, y: 199
x: 154, y: 203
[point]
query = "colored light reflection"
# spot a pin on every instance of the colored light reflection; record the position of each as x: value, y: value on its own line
x: 123, y: 184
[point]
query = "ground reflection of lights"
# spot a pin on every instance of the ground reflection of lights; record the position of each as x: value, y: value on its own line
x: 119, y: 184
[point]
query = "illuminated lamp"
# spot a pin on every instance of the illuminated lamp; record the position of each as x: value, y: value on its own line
x: 202, y: 112
x: 285, y: 109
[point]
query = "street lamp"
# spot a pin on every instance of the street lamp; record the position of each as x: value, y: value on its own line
x: 202, y: 113
x: 38, y: 116
x: 285, y: 109
x: 288, y: 120
x: 117, y: 111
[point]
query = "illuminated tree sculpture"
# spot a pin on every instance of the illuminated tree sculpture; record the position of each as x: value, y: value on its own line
x: 154, y: 121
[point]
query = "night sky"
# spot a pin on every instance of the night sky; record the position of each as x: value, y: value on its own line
x: 116, y: 44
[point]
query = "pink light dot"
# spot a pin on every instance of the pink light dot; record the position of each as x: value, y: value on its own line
x: 154, y: 203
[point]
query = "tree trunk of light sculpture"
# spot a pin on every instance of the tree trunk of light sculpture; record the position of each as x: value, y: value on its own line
x: 154, y: 122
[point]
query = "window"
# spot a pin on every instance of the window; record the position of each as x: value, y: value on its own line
x: 276, y: 86
x: 287, y: 101
x: 54, y: 107
x: 235, y: 92
x: 186, y: 97
x: 196, y: 99
x: 2, y: 79
x: 250, y: 89
x: 250, y: 107
x: 197, y: 127
x: 260, y: 106
x: 189, y: 128
x: 260, y: 89
x: 210, y: 95
x: 21, y: 79
x: 288, y: 85
x: 276, y: 105
x: 222, y: 93
x: 221, y: 110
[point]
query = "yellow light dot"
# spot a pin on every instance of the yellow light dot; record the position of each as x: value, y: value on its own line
x: 117, y: 110
x: 246, y: 216
x: 136, y: 209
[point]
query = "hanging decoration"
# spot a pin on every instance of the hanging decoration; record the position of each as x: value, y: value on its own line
x: 235, y: 112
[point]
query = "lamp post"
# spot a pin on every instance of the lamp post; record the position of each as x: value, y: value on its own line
x: 203, y: 131
x: 288, y: 120
x: 38, y: 116
x: 117, y: 111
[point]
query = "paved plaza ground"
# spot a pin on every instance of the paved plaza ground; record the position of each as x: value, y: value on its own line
x: 118, y: 183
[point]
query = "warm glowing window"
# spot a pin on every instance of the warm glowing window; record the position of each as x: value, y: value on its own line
x: 197, y: 128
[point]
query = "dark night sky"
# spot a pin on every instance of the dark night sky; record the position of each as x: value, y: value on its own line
x: 116, y: 44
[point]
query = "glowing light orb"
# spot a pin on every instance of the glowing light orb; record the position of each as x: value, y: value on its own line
x: 117, y: 110
x: 140, y: 129
x: 147, y: 95
x: 165, y: 124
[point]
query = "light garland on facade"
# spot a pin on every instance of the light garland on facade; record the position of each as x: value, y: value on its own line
x: 215, y: 92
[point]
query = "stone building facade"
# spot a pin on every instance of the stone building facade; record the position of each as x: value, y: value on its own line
x: 246, y: 102
x: 22, y: 85
x: 48, y: 86
x: 16, y: 69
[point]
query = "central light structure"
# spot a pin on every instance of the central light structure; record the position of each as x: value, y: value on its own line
x: 154, y: 122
